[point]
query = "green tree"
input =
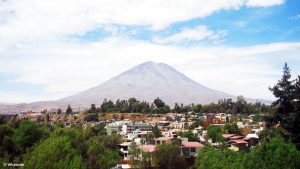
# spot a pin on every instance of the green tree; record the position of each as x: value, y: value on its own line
x: 134, y: 155
x: 231, y: 129
x: 287, y: 114
x: 156, y: 132
x: 273, y: 155
x: 168, y: 156
x: 91, y: 117
x: 27, y: 134
x: 99, y: 157
x: 214, y: 133
x: 112, y: 141
x: 74, y: 134
x: 5, y: 130
x: 159, y: 103
x: 211, y: 158
x: 93, y: 109
x: 69, y: 110
x: 53, y: 153
x: 188, y: 134
x: 145, y: 162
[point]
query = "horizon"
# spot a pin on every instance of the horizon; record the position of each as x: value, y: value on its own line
x: 152, y: 64
x: 53, y: 51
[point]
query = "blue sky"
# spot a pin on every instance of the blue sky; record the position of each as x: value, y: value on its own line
x: 51, y: 49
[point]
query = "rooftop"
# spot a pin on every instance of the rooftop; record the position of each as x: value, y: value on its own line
x: 228, y: 135
x: 164, y: 138
x: 239, y: 141
x: 191, y: 144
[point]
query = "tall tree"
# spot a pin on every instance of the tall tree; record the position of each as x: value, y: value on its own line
x: 159, y: 103
x: 214, y: 133
x: 69, y: 110
x: 168, y: 156
x: 283, y: 91
x: 287, y: 114
x: 134, y: 155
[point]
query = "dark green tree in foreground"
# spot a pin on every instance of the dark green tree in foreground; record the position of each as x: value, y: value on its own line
x: 53, y: 153
x: 275, y: 154
x: 100, y: 157
x: 27, y: 134
x: 287, y: 114
x: 168, y: 156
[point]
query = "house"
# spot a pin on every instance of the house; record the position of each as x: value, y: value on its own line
x: 228, y: 136
x: 238, y: 145
x: 124, y: 149
x: 162, y: 140
x: 190, y: 149
x: 252, y: 138
x: 246, y: 131
x: 129, y: 128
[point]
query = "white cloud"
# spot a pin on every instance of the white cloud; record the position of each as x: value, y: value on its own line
x: 192, y: 34
x: 67, y: 68
x: 264, y: 3
x: 34, y: 45
x: 27, y: 21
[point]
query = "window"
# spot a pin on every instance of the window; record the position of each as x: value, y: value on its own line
x: 185, y: 151
x: 193, y: 149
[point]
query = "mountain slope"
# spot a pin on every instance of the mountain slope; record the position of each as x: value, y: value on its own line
x: 146, y: 82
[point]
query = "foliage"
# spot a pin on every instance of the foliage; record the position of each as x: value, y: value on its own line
x: 216, y: 159
x: 145, y: 162
x: 110, y: 141
x: 74, y: 134
x: 134, y: 154
x: 69, y: 110
x: 100, y: 157
x: 168, y: 156
x: 196, y: 123
x: 270, y: 133
x: 53, y: 153
x: 188, y: 134
x: 214, y: 133
x: 287, y: 114
x: 91, y: 117
x: 231, y: 129
x: 270, y: 155
x: 156, y: 132
x: 273, y: 155
x: 27, y: 134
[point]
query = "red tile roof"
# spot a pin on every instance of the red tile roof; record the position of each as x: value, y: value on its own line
x: 228, y: 135
x: 246, y: 131
x: 236, y: 137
